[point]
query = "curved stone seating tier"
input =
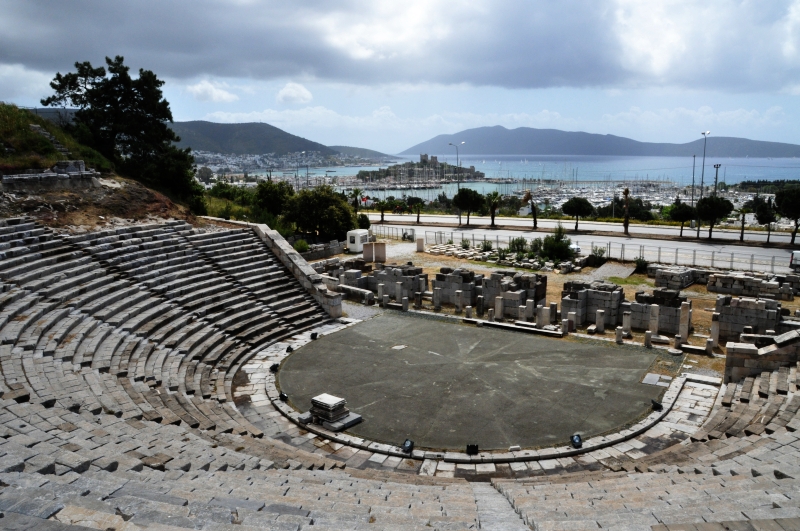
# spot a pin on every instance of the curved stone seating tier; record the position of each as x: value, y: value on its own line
x: 132, y: 390
x: 92, y: 324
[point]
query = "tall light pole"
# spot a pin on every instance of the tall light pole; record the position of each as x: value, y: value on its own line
x: 702, y: 173
x: 694, y: 157
x: 458, y: 166
x: 716, y: 176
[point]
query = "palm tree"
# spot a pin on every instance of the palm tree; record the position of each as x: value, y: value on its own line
x: 493, y: 202
x: 355, y: 195
x: 626, y: 194
x: 382, y: 206
x: 528, y: 198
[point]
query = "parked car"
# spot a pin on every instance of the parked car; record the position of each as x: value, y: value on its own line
x: 794, y: 261
x: 575, y: 248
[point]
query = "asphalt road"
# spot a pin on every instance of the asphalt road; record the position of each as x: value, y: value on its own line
x: 728, y: 234
x: 688, y: 252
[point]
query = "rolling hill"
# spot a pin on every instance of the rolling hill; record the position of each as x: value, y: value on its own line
x: 498, y: 140
x: 242, y: 139
x: 361, y: 152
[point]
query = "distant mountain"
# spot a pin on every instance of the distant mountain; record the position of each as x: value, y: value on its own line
x: 361, y: 152
x: 498, y: 140
x: 242, y: 139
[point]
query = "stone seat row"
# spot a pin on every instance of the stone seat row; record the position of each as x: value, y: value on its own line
x: 167, y: 363
x: 640, y: 500
x: 104, y: 464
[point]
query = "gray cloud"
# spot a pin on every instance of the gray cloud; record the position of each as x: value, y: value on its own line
x: 717, y: 44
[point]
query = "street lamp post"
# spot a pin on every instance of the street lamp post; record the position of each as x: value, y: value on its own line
x: 702, y: 173
x: 716, y: 176
x: 458, y: 166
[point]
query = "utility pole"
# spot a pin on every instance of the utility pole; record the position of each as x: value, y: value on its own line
x: 694, y: 157
x: 716, y: 176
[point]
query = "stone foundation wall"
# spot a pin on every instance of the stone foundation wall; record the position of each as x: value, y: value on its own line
x: 755, y: 285
x: 669, y: 318
x: 454, y: 280
x: 746, y: 359
x: 736, y: 313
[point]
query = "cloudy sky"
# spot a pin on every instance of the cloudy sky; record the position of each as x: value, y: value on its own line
x: 387, y: 75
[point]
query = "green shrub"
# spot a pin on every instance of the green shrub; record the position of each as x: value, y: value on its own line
x: 502, y: 253
x: 486, y: 246
x: 449, y: 242
x: 301, y: 246
x: 363, y: 221
x: 465, y: 244
x: 598, y: 257
x: 517, y: 245
x: 556, y: 246
x: 641, y: 264
x: 536, y: 245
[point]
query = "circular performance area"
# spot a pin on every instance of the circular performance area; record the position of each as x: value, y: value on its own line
x: 445, y: 385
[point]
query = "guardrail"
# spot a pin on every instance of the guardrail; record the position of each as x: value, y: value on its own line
x: 629, y: 252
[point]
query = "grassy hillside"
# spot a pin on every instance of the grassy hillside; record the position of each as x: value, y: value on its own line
x: 361, y: 152
x: 24, y: 149
x: 242, y: 139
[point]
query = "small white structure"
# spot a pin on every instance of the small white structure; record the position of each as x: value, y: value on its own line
x: 356, y: 240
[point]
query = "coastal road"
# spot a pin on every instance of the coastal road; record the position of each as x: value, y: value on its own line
x: 718, y: 254
x: 643, y: 230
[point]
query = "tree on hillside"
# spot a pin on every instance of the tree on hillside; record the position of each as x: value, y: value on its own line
x: 681, y: 212
x: 322, y: 212
x: 205, y: 174
x: 493, y: 202
x: 787, y: 203
x: 578, y: 207
x: 273, y: 196
x: 528, y: 198
x: 415, y: 203
x: 468, y: 200
x: 125, y: 119
x: 766, y: 215
x: 712, y: 209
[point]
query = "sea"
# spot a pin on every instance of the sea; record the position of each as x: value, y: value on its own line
x: 579, y: 170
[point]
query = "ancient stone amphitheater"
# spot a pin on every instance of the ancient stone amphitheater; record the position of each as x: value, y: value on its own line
x: 121, y: 355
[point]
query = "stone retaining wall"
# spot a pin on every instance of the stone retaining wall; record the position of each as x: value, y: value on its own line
x: 755, y: 285
x: 735, y: 313
x: 746, y: 359
x: 65, y: 175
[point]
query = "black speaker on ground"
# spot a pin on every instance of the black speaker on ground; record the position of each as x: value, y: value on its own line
x: 576, y: 441
x: 313, y: 335
x: 657, y: 406
x: 274, y: 367
x: 408, y: 446
x: 284, y: 397
x: 472, y: 449
x: 289, y: 349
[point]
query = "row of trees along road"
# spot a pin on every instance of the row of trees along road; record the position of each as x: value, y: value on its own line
x: 711, y: 210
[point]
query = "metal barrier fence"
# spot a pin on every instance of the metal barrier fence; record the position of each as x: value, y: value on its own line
x: 630, y: 252
x: 393, y: 233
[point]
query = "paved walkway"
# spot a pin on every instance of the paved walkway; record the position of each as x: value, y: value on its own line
x: 494, y: 511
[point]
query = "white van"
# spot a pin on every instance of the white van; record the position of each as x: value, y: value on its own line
x: 794, y: 261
